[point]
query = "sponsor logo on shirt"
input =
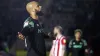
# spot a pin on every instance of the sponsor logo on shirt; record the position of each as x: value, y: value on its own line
x: 39, y: 31
x: 77, y: 46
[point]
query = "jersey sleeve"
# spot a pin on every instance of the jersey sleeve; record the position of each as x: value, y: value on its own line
x: 85, y: 43
x: 63, y: 41
x: 70, y: 44
x: 27, y: 26
x: 28, y: 23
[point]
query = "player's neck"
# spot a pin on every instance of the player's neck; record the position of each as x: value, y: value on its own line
x: 34, y: 16
x: 59, y: 35
x: 77, y: 39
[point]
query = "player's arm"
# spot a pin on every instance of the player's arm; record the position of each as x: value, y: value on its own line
x: 85, y: 46
x: 70, y: 47
x: 45, y: 35
x: 23, y: 33
x: 51, y: 51
x: 63, y: 46
x: 28, y: 26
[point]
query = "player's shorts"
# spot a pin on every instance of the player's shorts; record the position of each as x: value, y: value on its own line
x: 31, y: 53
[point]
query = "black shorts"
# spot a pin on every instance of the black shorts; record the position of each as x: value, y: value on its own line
x: 32, y: 53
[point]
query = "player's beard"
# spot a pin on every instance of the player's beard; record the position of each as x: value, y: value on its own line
x: 55, y: 34
x: 39, y: 13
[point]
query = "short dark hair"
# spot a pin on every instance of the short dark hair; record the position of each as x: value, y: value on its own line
x: 78, y: 30
x: 60, y: 28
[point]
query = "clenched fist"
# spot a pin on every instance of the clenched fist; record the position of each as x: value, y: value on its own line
x: 20, y: 36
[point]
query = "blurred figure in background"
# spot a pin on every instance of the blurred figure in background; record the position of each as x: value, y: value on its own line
x: 4, y: 50
x: 78, y: 46
x: 59, y: 44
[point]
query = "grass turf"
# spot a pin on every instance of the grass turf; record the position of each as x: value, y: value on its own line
x: 23, y: 53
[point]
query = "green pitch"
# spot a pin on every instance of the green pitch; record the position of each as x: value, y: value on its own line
x: 23, y: 53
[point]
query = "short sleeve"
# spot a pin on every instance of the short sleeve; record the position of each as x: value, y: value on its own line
x: 85, y: 43
x: 28, y: 23
x: 25, y: 24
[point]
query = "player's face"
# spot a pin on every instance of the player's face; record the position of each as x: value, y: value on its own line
x: 78, y: 35
x: 55, y: 31
x: 38, y: 8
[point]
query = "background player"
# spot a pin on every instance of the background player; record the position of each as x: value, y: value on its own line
x: 32, y: 29
x: 4, y: 50
x: 59, y: 44
x: 78, y: 46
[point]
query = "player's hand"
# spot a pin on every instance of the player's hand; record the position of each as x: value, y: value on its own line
x: 49, y: 34
x: 20, y: 36
x: 86, y: 51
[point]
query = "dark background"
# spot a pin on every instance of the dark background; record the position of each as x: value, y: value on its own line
x: 70, y: 14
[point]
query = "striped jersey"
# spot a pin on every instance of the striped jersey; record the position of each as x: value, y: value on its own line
x: 57, y: 46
